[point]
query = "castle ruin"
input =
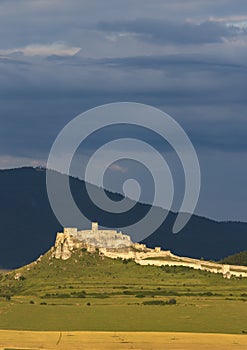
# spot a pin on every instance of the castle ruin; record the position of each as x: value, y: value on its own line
x: 89, y: 239
x: 113, y: 244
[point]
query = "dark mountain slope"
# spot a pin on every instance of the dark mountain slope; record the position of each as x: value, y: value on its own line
x: 28, y: 225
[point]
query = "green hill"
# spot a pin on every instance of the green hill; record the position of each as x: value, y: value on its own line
x: 101, y: 277
x: 90, y: 292
x: 236, y: 259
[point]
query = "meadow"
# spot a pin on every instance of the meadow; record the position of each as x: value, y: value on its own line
x: 93, y: 293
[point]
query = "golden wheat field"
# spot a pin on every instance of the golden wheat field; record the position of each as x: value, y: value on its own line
x: 119, y: 340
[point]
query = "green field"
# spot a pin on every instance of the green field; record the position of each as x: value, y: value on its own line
x: 91, y: 293
x: 191, y: 315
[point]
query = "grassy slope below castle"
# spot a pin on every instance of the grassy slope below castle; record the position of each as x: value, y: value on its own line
x: 88, y: 292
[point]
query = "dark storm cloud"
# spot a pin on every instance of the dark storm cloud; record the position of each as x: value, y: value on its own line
x: 40, y: 99
x: 167, y: 32
x: 181, y: 79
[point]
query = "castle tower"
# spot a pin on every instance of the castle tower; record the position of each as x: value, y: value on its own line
x: 94, y: 227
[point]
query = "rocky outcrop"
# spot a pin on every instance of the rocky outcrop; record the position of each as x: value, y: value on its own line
x: 64, y: 245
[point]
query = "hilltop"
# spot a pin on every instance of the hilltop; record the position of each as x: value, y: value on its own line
x: 115, y: 245
x: 82, y: 258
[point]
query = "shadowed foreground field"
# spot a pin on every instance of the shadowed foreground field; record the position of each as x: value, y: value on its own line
x: 119, y: 340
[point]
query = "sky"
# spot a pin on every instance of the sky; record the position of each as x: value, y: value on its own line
x: 189, y: 58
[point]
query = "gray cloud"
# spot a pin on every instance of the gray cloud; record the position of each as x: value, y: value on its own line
x: 10, y: 60
x: 189, y: 61
x: 167, y: 32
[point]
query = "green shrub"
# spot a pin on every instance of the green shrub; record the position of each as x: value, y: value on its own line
x: 160, y: 302
x: 63, y: 295
x: 100, y: 295
x: 126, y: 261
x: 81, y: 294
x: 154, y: 302
x: 172, y: 301
x: 208, y: 294
x: 56, y: 295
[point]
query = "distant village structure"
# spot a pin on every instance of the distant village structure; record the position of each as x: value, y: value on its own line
x: 113, y: 244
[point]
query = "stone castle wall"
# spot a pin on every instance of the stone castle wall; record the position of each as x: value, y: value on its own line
x: 104, y: 238
x: 113, y: 244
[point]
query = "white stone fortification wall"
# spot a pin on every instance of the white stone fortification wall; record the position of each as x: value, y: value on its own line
x: 138, y: 257
x: 114, y: 245
x: 70, y: 231
x: 219, y: 269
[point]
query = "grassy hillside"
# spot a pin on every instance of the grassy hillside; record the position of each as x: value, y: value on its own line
x: 110, y: 277
x: 236, y: 259
x: 88, y: 292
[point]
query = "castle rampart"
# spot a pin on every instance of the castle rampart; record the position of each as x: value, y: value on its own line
x: 113, y: 244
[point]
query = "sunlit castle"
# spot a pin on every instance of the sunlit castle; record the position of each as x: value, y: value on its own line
x: 116, y: 245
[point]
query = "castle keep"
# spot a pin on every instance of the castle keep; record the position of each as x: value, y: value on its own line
x: 100, y: 238
x: 113, y: 244
x: 89, y: 239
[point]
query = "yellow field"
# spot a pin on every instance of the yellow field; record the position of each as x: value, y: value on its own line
x: 119, y: 340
